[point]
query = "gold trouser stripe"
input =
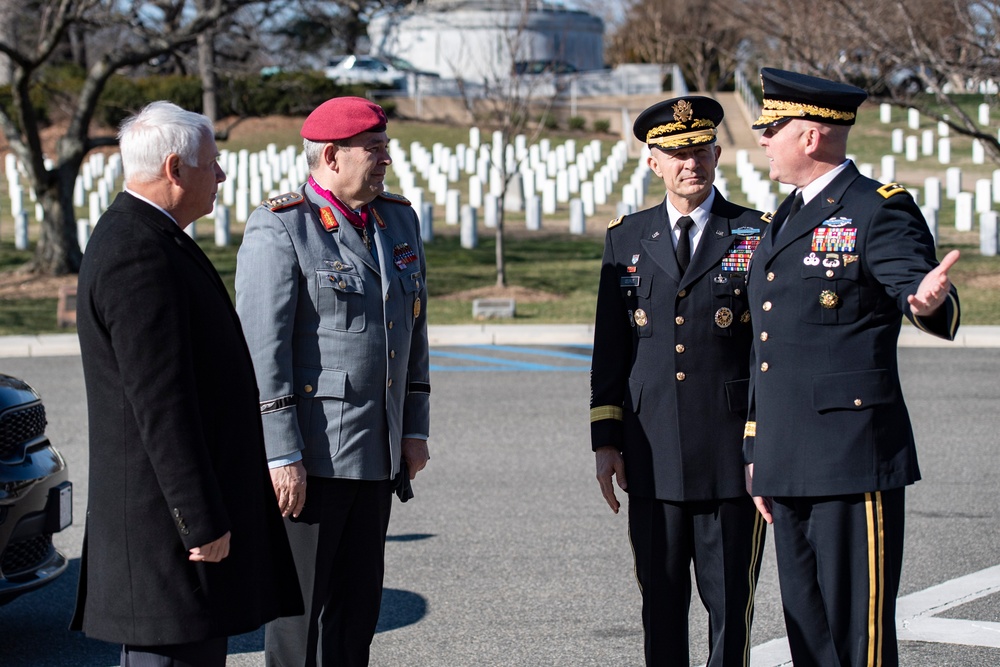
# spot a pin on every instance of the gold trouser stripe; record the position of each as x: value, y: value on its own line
x: 757, y: 548
x: 602, y: 412
x: 876, y: 574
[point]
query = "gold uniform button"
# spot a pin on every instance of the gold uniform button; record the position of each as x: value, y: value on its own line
x: 764, y: 367
x: 763, y: 335
x: 737, y: 291
x: 770, y: 276
x: 829, y: 273
x: 392, y: 354
x: 418, y: 284
x: 389, y: 383
x: 680, y: 377
x: 679, y: 320
x: 766, y: 306
x: 342, y: 284
x: 386, y: 296
x: 390, y: 324
x: 857, y: 402
x: 683, y: 293
x: 680, y: 349
x: 308, y: 388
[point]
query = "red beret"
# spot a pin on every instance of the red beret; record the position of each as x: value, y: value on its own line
x: 343, y: 117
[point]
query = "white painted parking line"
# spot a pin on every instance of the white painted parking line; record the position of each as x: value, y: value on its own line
x: 915, y: 618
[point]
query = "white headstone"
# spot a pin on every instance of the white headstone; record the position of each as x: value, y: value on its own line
x: 932, y: 192
x: 944, y: 150
x: 490, y: 212
x: 988, y: 234
x: 427, y: 222
x: 912, y: 148
x: 600, y: 189
x: 192, y: 230
x: 82, y: 233
x: 514, y: 197
x: 927, y: 143
x: 885, y: 113
x: 996, y: 185
x: 549, y: 198
x: 931, y: 216
x: 562, y: 186
x: 963, y: 211
x: 897, y: 140
x: 533, y: 213
x: 953, y: 182
x: 984, y: 195
x: 452, y: 207
x: 221, y: 225
x: 888, y: 173
x: 913, y: 119
x: 474, y: 138
x: 984, y: 114
x: 577, y: 219
x: 475, y: 192
x: 587, y: 197
x: 242, y: 204
x: 21, y: 230
x: 943, y: 128
x: 469, y: 233
x: 867, y: 169
x: 978, y: 153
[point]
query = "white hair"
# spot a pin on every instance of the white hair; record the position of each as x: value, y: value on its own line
x: 314, y: 153
x: 160, y: 129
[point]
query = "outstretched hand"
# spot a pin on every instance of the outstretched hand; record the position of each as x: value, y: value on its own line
x: 933, y: 289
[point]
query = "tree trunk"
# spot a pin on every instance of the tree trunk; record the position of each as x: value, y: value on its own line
x: 501, y: 264
x: 58, y: 251
x: 206, y: 69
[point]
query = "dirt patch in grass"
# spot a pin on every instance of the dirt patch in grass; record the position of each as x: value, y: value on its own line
x: 516, y: 292
x: 24, y: 285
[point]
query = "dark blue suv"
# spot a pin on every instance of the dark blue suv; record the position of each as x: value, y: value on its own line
x: 36, y: 496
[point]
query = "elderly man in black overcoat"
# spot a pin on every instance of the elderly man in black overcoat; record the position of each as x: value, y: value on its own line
x: 184, y: 542
x: 669, y: 389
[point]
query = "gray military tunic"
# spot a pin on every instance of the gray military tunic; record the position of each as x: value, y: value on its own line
x: 338, y: 336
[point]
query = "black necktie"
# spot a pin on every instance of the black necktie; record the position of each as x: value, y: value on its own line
x: 683, y: 249
x: 792, y: 210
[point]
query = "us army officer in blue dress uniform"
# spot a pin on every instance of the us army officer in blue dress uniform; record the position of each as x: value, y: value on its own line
x: 331, y: 290
x: 828, y: 443
x: 669, y: 389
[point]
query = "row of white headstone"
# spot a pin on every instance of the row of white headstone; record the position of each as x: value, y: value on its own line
x: 757, y: 188
x: 543, y: 177
x: 929, y: 141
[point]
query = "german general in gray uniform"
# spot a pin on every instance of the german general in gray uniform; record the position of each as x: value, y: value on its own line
x: 669, y: 389
x: 331, y: 290
x: 828, y: 442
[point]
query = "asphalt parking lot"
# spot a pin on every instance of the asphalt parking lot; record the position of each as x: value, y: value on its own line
x: 508, y: 555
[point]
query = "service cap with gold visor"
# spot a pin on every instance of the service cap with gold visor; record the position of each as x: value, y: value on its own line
x: 789, y: 95
x: 680, y: 122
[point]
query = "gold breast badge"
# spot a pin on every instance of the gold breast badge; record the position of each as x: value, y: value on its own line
x: 723, y: 317
x: 828, y: 299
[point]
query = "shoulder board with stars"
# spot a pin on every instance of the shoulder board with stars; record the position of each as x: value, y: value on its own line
x: 890, y: 189
x: 617, y: 221
x: 398, y: 199
x: 283, y: 201
x: 766, y: 217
